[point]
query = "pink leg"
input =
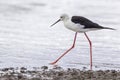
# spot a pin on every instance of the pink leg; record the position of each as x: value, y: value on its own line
x: 90, y: 50
x: 66, y: 51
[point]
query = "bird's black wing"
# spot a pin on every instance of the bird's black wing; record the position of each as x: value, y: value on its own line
x: 86, y: 22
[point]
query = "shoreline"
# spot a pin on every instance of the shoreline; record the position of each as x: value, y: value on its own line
x: 57, y: 73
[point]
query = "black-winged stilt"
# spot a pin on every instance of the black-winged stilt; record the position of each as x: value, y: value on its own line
x: 79, y: 24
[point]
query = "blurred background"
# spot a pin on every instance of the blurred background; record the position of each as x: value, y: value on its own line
x: 26, y: 38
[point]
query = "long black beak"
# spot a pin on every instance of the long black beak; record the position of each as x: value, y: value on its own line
x: 55, y: 23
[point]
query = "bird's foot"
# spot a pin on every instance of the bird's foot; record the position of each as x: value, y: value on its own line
x: 52, y: 63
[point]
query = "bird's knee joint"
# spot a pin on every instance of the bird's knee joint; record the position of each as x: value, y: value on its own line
x: 73, y: 46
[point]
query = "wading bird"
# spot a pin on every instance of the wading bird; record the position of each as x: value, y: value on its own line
x: 79, y: 24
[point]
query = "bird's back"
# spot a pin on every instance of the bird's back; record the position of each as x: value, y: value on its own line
x: 86, y: 22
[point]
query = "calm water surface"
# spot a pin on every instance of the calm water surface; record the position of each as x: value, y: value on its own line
x: 27, y: 40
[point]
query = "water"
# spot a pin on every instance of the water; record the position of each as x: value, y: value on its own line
x: 27, y: 40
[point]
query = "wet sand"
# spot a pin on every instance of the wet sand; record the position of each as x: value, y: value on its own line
x: 56, y: 73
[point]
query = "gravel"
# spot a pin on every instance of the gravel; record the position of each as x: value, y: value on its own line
x: 56, y: 73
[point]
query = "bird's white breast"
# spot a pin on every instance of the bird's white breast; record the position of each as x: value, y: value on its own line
x: 74, y: 27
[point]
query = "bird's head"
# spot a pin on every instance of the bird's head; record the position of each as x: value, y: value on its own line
x: 63, y: 17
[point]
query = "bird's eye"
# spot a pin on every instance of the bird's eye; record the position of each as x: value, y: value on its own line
x: 61, y: 17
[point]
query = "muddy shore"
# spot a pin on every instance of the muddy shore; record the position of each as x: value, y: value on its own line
x: 56, y: 73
